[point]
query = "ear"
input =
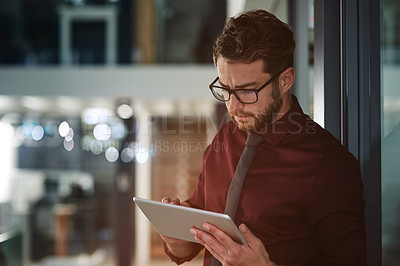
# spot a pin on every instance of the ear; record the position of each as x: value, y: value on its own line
x: 287, y: 79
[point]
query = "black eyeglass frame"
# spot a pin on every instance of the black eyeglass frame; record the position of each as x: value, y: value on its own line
x: 211, y: 86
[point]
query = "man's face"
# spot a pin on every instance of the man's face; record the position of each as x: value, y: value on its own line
x: 250, y: 117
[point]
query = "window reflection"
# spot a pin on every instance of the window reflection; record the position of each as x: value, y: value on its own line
x: 69, y: 192
x: 98, y: 32
x: 55, y: 190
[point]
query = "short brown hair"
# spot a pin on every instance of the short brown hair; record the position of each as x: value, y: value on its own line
x: 254, y: 35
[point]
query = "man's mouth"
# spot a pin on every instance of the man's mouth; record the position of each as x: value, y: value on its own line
x: 242, y: 117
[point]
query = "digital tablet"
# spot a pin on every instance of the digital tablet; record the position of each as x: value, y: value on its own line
x: 176, y: 221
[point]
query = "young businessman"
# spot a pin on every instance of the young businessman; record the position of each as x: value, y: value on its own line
x: 301, y: 202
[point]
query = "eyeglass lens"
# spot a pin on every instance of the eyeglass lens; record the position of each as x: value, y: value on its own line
x: 245, y: 96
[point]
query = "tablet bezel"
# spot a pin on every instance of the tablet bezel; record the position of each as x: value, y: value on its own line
x: 176, y: 221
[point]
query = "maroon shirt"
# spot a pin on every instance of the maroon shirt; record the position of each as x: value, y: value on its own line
x: 302, y: 195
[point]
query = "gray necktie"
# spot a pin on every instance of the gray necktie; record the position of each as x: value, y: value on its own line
x: 235, y: 187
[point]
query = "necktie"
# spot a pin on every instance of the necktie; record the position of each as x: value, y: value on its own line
x: 235, y: 188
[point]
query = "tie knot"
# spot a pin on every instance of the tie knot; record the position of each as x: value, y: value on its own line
x: 253, y: 140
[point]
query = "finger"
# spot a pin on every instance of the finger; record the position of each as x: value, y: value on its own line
x: 232, y: 250
x: 218, y: 240
x: 213, y: 252
x: 206, y: 239
x: 247, y: 234
x: 252, y: 241
x: 209, y: 242
x: 175, y: 201
x: 166, y: 200
x: 220, y: 235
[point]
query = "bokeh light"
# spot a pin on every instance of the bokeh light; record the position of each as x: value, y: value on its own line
x: 93, y: 116
x: 6, y: 130
x: 142, y: 155
x: 37, y: 133
x: 20, y: 133
x: 102, y: 132
x: 70, y: 135
x: 63, y: 129
x: 112, y: 154
x: 127, y: 155
x: 96, y: 147
x: 125, y: 111
x: 69, y: 145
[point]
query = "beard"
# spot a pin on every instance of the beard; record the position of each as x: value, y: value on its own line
x: 260, y: 122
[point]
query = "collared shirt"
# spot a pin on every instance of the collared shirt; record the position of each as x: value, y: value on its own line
x: 302, y: 196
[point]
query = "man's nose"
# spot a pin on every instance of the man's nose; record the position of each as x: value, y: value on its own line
x: 234, y: 104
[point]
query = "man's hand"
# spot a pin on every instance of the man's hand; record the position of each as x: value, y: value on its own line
x: 179, y: 248
x: 227, y: 251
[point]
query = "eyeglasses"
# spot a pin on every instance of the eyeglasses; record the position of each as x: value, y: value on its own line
x: 245, y: 96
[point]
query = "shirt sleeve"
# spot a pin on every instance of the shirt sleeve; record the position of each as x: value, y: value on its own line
x: 197, y: 200
x: 336, y: 211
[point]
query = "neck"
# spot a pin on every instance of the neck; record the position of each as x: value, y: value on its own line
x: 287, y: 103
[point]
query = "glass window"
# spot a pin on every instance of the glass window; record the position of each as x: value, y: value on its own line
x: 390, y: 43
x: 68, y: 152
x: 98, y: 32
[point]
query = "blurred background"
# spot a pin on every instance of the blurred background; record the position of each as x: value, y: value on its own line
x: 103, y: 100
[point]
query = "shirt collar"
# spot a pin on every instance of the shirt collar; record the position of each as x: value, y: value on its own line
x: 289, y: 122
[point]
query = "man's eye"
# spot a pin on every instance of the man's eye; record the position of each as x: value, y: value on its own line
x: 246, y: 92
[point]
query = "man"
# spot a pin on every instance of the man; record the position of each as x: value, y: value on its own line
x: 301, y: 201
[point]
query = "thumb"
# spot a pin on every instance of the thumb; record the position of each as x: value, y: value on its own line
x: 247, y: 234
